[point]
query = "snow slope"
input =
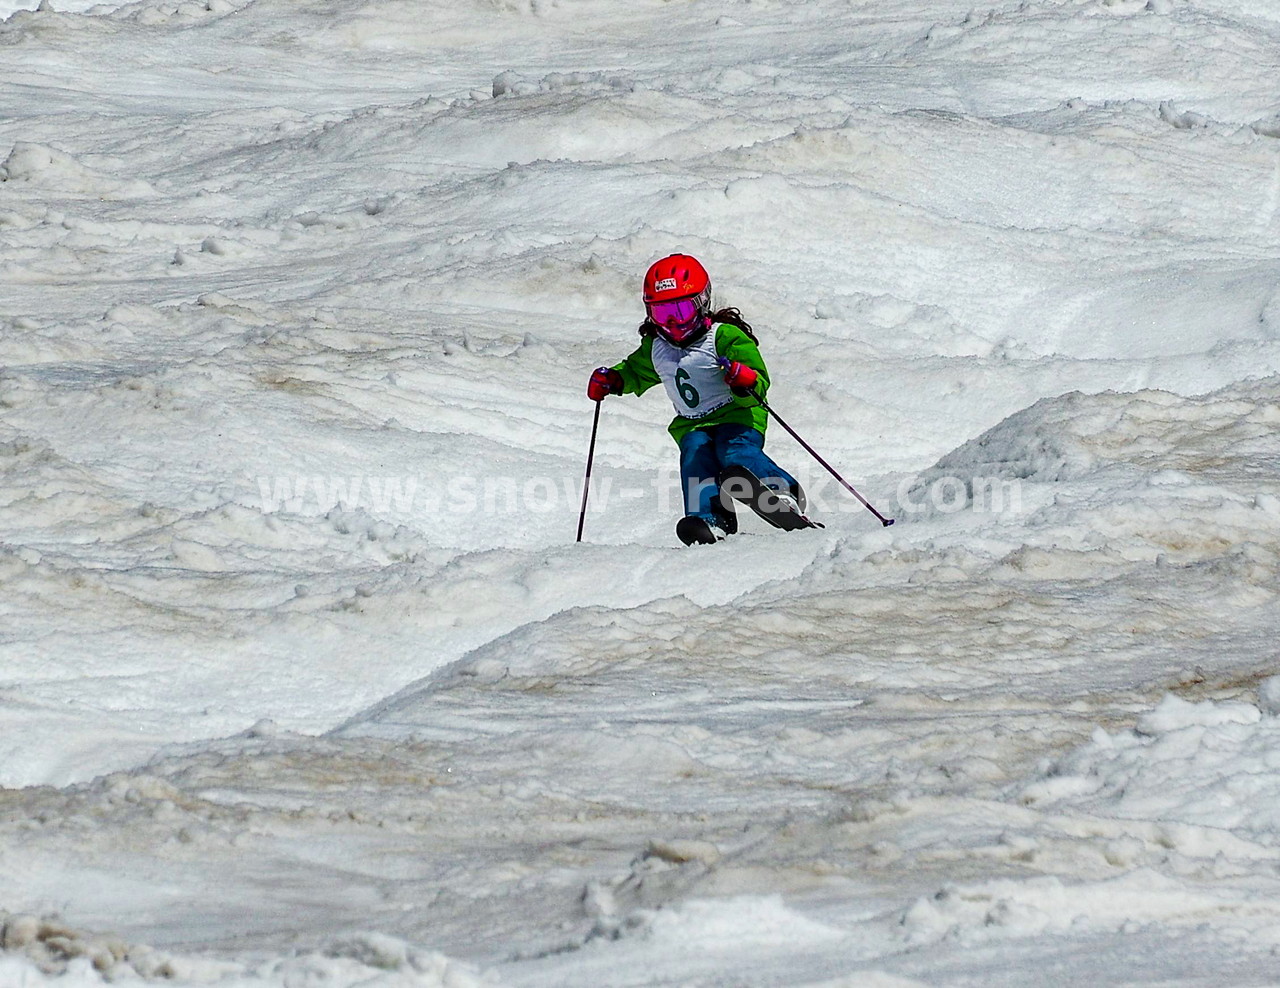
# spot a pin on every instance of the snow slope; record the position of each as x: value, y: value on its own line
x: 303, y: 677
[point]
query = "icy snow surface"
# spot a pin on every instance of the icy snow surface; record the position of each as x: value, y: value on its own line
x: 304, y: 680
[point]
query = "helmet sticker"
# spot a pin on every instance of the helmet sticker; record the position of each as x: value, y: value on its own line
x: 666, y: 285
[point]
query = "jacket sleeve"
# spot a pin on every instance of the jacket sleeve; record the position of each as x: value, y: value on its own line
x: 637, y: 370
x: 733, y: 343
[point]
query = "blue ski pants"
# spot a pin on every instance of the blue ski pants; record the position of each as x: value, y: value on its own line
x: 705, y: 452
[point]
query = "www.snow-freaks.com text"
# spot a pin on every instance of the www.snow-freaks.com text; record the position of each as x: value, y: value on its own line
x: 465, y: 495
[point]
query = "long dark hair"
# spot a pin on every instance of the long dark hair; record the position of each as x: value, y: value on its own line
x: 730, y: 315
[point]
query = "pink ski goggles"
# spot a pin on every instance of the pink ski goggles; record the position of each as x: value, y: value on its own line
x: 679, y: 313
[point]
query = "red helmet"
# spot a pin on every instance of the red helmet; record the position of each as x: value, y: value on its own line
x: 674, y: 277
x: 677, y: 296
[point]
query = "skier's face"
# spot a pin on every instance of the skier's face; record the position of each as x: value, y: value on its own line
x: 678, y: 320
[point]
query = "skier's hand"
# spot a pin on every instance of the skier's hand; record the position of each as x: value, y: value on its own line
x: 737, y: 374
x: 604, y: 381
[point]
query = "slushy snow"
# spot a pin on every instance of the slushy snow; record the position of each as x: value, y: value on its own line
x: 303, y: 678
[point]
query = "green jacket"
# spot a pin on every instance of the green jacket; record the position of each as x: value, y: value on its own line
x: 639, y: 375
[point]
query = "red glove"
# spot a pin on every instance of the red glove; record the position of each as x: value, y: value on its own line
x: 604, y: 381
x: 737, y: 374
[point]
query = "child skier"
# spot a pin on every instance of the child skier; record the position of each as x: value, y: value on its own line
x: 709, y: 363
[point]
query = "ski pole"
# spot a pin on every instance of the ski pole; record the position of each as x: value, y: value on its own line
x: 586, y: 484
x: 886, y: 522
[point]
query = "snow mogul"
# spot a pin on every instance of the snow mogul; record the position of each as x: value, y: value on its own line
x: 710, y: 365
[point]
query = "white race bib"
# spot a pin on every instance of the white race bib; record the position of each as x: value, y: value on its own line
x: 692, y: 376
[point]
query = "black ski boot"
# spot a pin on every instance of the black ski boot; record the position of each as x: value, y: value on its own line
x: 692, y: 530
x: 781, y: 509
